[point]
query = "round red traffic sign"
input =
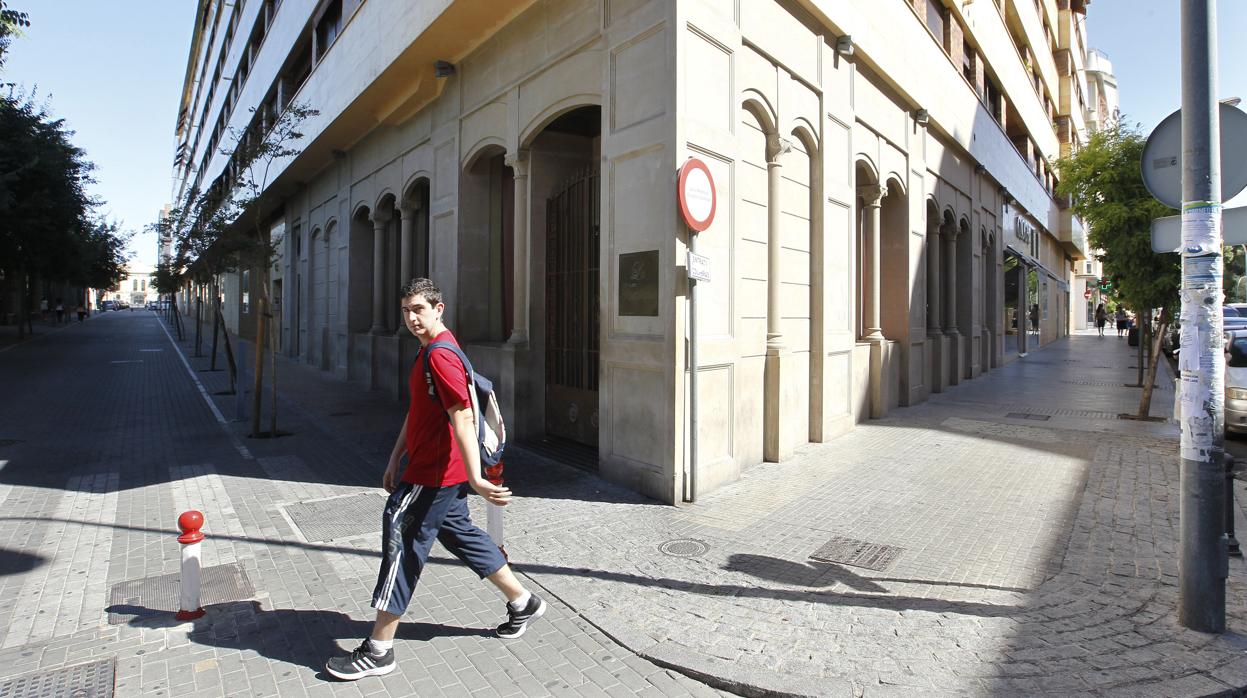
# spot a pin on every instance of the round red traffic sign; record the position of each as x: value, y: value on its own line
x: 1086, y: 294
x: 697, y: 195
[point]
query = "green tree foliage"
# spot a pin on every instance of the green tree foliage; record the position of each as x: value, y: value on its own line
x: 1104, y: 178
x: 46, y: 222
x: 12, y: 22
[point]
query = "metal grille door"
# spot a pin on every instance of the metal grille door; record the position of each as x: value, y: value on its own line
x: 573, y: 310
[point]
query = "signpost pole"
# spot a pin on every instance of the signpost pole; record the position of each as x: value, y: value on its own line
x: 691, y: 486
x: 1203, y: 563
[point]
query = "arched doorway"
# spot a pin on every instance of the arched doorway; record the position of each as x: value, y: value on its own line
x: 566, y: 238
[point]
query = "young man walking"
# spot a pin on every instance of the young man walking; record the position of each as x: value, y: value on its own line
x: 428, y: 500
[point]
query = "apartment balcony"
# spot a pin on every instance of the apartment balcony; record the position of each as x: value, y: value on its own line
x: 1072, y: 235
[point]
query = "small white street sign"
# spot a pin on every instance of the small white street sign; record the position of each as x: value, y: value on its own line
x: 698, y: 267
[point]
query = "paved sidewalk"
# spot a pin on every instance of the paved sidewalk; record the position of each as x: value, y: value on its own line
x: 105, y: 438
x: 1027, y: 555
x: 1034, y: 537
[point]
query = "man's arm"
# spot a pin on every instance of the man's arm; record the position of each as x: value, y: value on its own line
x: 464, y: 425
x: 391, y: 478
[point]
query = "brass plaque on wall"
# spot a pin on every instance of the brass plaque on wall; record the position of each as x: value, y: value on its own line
x: 638, y: 283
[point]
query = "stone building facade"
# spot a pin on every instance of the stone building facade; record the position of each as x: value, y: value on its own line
x: 886, y: 222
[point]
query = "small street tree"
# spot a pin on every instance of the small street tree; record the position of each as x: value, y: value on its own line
x: 1105, y: 182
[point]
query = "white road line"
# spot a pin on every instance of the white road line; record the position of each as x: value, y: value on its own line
x: 246, y: 453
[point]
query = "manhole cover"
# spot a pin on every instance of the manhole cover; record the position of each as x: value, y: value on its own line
x: 94, y: 680
x: 337, y: 517
x: 1027, y: 415
x: 858, y: 553
x: 140, y: 598
x: 684, y: 547
x: 9, y: 442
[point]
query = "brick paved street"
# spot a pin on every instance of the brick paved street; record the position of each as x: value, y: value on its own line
x: 1032, y: 534
x: 113, y: 439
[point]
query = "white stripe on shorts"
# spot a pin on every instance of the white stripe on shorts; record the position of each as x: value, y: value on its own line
x: 388, y: 589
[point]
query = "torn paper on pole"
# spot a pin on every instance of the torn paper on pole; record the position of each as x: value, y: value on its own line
x: 1201, y: 229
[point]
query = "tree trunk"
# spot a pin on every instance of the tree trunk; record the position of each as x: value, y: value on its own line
x: 23, y: 313
x: 1145, y: 403
x: 1138, y: 320
x: 257, y: 389
x: 272, y: 330
x: 229, y: 353
x: 199, y: 320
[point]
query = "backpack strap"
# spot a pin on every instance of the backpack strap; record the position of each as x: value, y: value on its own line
x: 471, y: 378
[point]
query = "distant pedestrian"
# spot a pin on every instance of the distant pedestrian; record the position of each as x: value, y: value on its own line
x: 60, y: 311
x: 1123, y: 321
x: 43, y: 309
x: 428, y: 499
x: 1101, y: 316
x: 82, y: 312
x: 1034, y: 317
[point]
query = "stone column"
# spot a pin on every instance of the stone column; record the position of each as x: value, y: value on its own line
x: 872, y: 196
x: 518, y: 162
x: 380, y: 221
x: 950, y: 280
x: 775, y: 147
x: 934, y: 328
x: 407, y: 218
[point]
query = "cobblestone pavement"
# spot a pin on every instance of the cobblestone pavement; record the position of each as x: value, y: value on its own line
x: 105, y: 437
x: 1025, y: 544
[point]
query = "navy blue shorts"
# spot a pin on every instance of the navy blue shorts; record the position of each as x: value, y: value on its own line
x: 414, y: 517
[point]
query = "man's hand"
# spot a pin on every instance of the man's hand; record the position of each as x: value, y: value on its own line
x: 494, y: 494
x: 390, y: 481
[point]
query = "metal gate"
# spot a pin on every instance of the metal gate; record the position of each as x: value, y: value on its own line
x: 573, y: 310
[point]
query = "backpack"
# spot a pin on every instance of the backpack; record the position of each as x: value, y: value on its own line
x: 491, y: 432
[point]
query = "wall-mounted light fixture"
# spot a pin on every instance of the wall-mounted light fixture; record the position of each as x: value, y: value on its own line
x: 979, y: 168
x: 443, y: 69
x: 922, y: 117
x: 844, y: 45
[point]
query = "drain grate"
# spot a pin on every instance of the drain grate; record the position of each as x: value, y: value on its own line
x: 341, y: 414
x: 1091, y: 381
x: 93, y: 680
x: 858, y: 553
x: 152, y: 596
x: 1027, y: 415
x: 337, y: 517
x: 9, y: 442
x: 684, y: 547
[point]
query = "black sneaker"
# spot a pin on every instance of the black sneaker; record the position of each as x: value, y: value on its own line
x: 360, y: 663
x: 517, y: 620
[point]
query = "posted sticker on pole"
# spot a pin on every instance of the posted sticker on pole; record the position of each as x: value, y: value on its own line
x: 696, y: 192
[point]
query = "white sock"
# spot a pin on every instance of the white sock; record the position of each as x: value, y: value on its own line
x: 520, y: 600
x: 378, y: 648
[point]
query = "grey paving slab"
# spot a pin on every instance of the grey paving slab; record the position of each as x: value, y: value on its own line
x: 99, y: 470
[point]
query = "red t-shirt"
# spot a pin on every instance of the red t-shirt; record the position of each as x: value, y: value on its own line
x: 433, y: 458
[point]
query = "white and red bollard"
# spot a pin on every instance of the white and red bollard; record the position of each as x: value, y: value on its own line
x: 493, y: 512
x: 190, y: 522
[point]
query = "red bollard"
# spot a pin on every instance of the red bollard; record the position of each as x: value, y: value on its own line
x: 190, y: 522
x: 493, y: 512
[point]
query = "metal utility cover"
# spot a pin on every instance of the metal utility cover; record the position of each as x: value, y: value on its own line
x: 338, y: 517
x: 150, y: 596
x: 858, y: 553
x: 684, y: 547
x: 93, y: 680
x: 1026, y: 415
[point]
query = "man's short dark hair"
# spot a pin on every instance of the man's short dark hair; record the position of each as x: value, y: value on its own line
x: 424, y: 287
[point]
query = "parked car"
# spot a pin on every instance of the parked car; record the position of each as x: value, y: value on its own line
x: 1236, y: 381
x: 108, y: 305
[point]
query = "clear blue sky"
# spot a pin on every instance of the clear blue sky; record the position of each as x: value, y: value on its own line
x: 114, y: 73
